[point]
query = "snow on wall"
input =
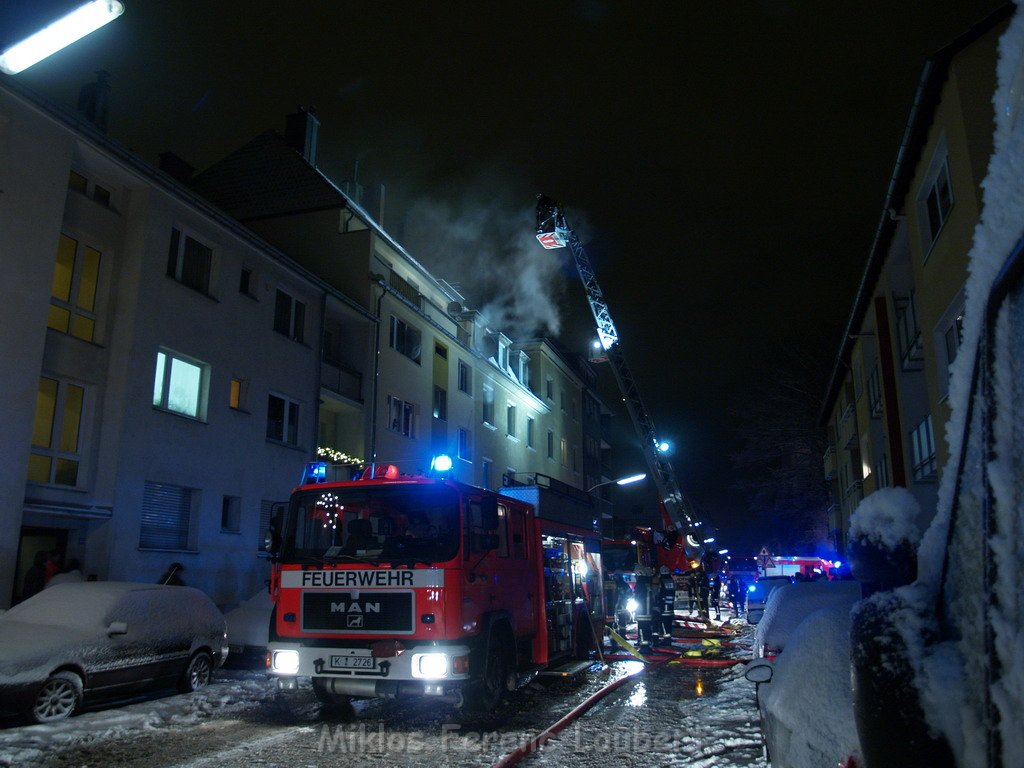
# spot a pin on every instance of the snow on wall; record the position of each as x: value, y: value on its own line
x: 959, y: 710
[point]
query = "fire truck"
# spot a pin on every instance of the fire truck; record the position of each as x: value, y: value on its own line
x: 393, y: 585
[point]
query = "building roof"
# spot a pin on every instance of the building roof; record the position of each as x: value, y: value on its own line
x: 266, y: 177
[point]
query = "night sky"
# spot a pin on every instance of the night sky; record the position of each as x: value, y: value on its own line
x: 725, y: 163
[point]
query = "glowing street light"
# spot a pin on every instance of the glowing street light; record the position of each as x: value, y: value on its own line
x: 628, y: 480
x: 85, y: 19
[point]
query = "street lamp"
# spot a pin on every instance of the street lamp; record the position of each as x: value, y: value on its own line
x: 59, y: 33
x: 628, y: 480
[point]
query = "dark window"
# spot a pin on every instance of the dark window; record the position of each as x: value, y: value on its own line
x: 101, y: 195
x: 77, y: 182
x: 405, y: 339
x: 166, y: 516
x: 289, y: 316
x: 440, y: 404
x: 189, y: 262
x: 245, y: 281
x: 282, y: 420
x: 231, y: 514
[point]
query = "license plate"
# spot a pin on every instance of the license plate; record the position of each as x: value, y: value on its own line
x: 353, y: 662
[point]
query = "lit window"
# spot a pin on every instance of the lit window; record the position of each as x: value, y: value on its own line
x: 180, y: 384
x: 238, y: 394
x: 289, y: 316
x: 282, y: 420
x: 73, y: 296
x: 56, y: 433
x: 189, y: 261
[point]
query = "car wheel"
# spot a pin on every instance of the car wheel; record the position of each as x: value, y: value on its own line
x: 58, y: 699
x: 198, y: 672
x: 491, y: 687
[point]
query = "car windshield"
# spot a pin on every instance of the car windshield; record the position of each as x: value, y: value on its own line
x: 373, y: 524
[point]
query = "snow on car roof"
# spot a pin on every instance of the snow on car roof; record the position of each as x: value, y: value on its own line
x: 70, y: 603
x: 790, y: 604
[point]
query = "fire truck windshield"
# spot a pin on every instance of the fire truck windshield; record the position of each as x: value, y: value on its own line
x: 373, y: 524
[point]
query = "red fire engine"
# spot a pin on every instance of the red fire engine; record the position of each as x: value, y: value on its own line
x: 395, y: 585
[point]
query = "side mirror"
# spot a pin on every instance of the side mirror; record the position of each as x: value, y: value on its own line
x: 759, y: 672
x: 117, y: 628
x: 273, y: 540
x: 489, y: 514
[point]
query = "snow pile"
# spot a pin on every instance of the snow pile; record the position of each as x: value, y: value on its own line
x: 887, y: 518
x: 810, y: 693
x: 32, y: 744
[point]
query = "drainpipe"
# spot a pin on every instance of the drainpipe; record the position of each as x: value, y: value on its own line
x: 379, y: 280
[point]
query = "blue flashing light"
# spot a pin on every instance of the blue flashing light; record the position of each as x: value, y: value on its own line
x: 837, y: 564
x: 752, y: 588
x: 441, y: 463
x: 315, y: 472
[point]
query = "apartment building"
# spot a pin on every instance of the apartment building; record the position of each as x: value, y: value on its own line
x: 885, y: 407
x: 429, y: 375
x: 159, y: 370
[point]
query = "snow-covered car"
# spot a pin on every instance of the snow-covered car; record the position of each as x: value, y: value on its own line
x: 103, y: 639
x: 757, y: 595
x: 805, y: 695
x: 791, y: 604
x: 249, y: 629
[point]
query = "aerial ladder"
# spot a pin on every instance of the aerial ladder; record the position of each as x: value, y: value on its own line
x: 554, y: 232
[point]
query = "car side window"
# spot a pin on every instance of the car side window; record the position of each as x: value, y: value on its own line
x: 134, y: 608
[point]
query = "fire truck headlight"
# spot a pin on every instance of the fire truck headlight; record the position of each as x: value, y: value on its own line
x: 285, y: 662
x: 430, y: 665
x: 632, y: 605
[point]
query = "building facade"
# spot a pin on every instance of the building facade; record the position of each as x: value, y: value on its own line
x: 885, y: 408
x: 176, y: 349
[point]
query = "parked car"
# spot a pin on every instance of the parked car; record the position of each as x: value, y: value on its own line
x: 790, y: 604
x: 757, y: 595
x: 248, y: 631
x: 805, y: 697
x: 97, y: 640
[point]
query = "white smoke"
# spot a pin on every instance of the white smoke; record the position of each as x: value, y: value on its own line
x: 487, y: 250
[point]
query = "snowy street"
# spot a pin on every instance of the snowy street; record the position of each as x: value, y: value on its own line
x: 243, y: 720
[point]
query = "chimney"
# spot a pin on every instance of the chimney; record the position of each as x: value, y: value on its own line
x: 301, y: 130
x: 94, y: 100
x: 175, y: 167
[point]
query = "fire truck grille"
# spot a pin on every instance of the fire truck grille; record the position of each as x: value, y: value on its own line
x: 369, y: 612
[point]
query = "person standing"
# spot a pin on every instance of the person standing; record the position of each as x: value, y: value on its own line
x: 54, y: 565
x: 691, y: 589
x: 703, y: 593
x: 667, y: 598
x: 646, y: 605
x: 35, y: 577
x: 716, y: 595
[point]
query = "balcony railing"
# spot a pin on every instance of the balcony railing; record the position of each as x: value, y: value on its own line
x: 342, y: 381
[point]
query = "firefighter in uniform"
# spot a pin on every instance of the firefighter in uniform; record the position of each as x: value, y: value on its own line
x: 646, y: 603
x: 667, y: 600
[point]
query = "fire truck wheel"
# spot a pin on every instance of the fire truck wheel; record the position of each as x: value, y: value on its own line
x: 326, y: 696
x: 488, y: 691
